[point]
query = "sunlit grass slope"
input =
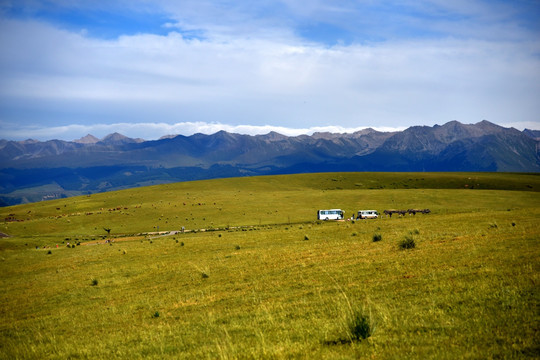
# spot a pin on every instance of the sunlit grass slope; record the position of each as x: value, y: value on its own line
x: 261, y: 200
x: 272, y: 282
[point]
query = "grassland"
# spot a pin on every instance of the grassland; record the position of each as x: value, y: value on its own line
x: 266, y: 280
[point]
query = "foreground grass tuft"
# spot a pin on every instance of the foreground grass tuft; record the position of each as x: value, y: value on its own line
x: 407, y: 242
x: 359, y: 326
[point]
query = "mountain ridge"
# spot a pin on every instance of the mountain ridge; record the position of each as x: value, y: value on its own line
x: 90, y: 165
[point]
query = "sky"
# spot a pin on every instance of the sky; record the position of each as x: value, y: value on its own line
x: 148, y: 69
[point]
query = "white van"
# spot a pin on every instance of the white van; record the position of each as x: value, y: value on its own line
x: 367, y: 214
x: 332, y: 214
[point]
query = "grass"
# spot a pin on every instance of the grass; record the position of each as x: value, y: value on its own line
x: 468, y: 290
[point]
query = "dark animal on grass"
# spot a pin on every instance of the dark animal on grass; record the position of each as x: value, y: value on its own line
x: 422, y: 211
x: 390, y: 212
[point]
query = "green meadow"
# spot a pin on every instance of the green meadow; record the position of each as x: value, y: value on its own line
x: 255, y: 275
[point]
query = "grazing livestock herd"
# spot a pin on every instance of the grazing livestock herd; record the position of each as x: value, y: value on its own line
x: 409, y: 211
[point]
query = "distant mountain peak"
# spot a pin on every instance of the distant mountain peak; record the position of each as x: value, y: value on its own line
x: 88, y: 139
x: 117, y: 138
x: 273, y: 136
x: 30, y: 141
x: 484, y: 124
x: 114, y: 136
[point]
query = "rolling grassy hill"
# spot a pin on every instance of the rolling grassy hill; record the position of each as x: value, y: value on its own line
x: 269, y: 281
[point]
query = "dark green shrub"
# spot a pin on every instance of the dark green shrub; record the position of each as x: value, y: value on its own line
x: 359, y: 326
x: 156, y: 314
x: 306, y: 237
x: 205, y: 275
x: 377, y: 237
x: 407, y: 243
x: 95, y: 282
x: 237, y: 247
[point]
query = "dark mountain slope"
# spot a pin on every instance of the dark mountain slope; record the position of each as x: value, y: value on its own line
x: 456, y: 147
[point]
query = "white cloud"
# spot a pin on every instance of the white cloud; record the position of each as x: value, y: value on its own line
x: 149, y: 85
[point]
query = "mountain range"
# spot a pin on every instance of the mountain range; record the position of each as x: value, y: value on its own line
x: 32, y: 170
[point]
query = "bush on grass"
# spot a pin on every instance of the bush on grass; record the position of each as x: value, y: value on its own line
x: 407, y: 243
x: 359, y: 326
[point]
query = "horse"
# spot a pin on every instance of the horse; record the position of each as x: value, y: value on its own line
x: 414, y: 211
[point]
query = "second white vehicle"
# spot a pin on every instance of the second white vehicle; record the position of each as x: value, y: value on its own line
x: 367, y: 214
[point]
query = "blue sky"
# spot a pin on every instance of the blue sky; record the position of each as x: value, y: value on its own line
x: 152, y: 68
